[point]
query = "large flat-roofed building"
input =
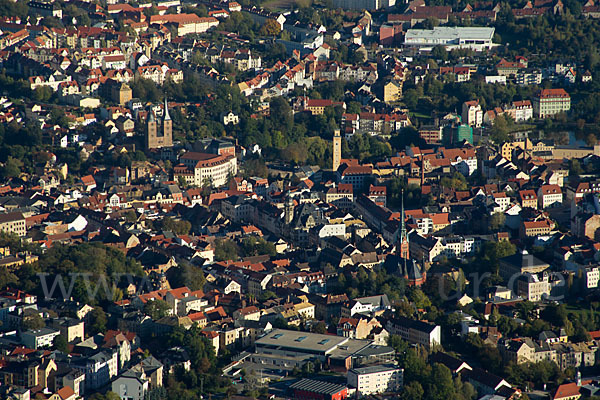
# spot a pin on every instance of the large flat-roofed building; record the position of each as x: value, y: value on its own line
x: 363, y: 4
x: 289, y: 349
x: 416, y: 332
x: 310, y: 389
x: 199, y: 168
x: 451, y: 37
x: 376, y: 379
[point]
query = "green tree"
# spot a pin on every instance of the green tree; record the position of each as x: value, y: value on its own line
x: 412, y: 391
x: 33, y: 322
x: 497, y: 221
x: 98, y: 321
x: 225, y: 250
x: 61, y: 344
x: 156, y: 309
x: 319, y: 327
x: 11, y: 168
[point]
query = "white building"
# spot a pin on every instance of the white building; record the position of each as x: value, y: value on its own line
x: 472, y: 114
x: 230, y: 118
x: 329, y: 230
x: 135, y: 383
x: 549, y: 196
x: 39, y: 338
x: 131, y: 385
x: 533, y: 287
x: 198, y: 168
x: 376, y: 379
x: 451, y: 37
x: 99, y: 368
x: 415, y: 332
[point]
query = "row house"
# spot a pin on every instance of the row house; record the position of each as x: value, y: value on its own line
x: 53, y: 81
x: 373, y: 124
x: 366, y: 73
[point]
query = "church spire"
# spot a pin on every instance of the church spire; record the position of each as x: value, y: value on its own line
x: 402, y: 224
x: 167, y: 117
x: 404, y: 246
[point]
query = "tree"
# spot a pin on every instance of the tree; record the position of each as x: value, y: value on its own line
x: 412, y: 391
x: 500, y: 130
x: 98, y: 321
x: 319, y: 327
x: 575, y: 168
x: 497, y: 221
x: 439, y: 53
x: 281, y: 113
x: 225, y: 250
x: 156, y: 309
x: 33, y: 322
x: 270, y: 28
x: 11, y: 168
x: 61, y: 344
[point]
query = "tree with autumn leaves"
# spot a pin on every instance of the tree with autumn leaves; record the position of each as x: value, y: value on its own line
x: 270, y: 28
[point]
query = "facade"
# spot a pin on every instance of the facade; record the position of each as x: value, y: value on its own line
x: 392, y: 91
x: 549, y: 102
x: 456, y: 134
x: 121, y: 94
x: 354, y: 175
x: 13, y: 222
x: 415, y: 332
x: 450, y: 37
x: 535, y: 228
x: 520, y: 111
x: 200, y: 168
x: 376, y: 379
x: 431, y: 135
x: 528, y: 199
x: 472, y: 114
x: 342, y: 196
x: 549, y: 196
x: 309, y: 389
x: 533, y: 287
x: 159, y: 135
x: 39, y: 338
x: 185, y: 23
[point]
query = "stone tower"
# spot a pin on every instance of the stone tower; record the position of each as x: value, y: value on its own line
x: 161, y: 136
x: 151, y: 129
x: 167, y: 126
x: 403, y: 245
x: 337, y: 150
x: 289, y: 211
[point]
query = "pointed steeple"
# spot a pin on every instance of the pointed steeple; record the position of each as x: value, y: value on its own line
x: 167, y: 117
x: 402, y: 224
x: 403, y: 244
x: 151, y: 116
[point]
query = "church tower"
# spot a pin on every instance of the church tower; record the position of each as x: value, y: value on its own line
x: 337, y: 150
x: 167, y: 126
x: 403, y: 245
x: 151, y: 130
x: 289, y: 210
x: 161, y: 136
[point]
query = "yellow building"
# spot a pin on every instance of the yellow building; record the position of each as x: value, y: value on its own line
x: 507, y: 148
x: 392, y: 91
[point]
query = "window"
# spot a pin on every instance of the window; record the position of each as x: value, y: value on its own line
x: 301, y: 338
